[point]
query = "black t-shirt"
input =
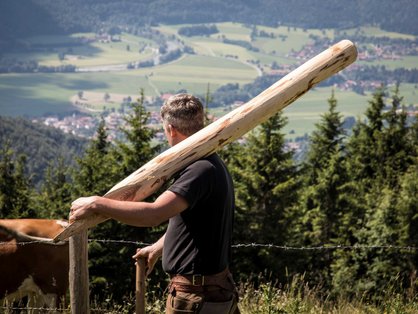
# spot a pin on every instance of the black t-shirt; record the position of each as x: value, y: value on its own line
x: 198, y: 240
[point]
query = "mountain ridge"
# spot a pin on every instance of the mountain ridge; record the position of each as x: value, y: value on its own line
x: 35, y: 17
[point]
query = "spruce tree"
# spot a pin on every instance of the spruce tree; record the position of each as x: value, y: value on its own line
x: 265, y: 179
x: 384, y: 225
x: 104, y: 165
x: 408, y: 233
x: 15, y: 186
x: 97, y: 172
x: 137, y: 147
x: 396, y: 145
x: 379, y: 155
x: 56, y: 191
x: 365, y: 145
x: 326, y: 139
x: 323, y: 201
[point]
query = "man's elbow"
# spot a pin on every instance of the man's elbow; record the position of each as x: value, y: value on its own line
x: 154, y: 221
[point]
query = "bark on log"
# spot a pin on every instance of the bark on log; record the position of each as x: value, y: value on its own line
x: 147, y: 179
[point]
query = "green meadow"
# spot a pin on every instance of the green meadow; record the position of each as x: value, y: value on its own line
x: 129, y: 49
x: 215, y: 63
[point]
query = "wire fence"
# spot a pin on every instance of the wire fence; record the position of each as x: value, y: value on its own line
x: 15, y: 309
x: 250, y: 245
x: 28, y: 309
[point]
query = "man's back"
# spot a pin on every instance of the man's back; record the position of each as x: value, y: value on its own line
x: 198, y: 240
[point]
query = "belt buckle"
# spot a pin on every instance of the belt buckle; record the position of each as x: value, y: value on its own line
x: 194, y: 280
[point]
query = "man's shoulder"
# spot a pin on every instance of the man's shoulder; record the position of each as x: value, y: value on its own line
x: 204, y: 165
x: 201, y: 165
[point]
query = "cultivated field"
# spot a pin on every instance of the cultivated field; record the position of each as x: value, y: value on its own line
x: 215, y: 63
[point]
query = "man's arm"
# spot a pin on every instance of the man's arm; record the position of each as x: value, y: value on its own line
x: 140, y: 214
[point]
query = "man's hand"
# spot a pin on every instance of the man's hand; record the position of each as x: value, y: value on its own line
x: 83, y: 207
x: 151, y: 254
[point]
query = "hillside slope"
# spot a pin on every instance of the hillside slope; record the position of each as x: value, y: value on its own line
x: 41, y: 145
x: 19, y: 19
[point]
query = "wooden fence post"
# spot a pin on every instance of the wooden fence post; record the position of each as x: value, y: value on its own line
x: 140, y: 286
x: 79, y: 274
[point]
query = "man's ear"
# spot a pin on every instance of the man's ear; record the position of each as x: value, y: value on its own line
x: 171, y: 130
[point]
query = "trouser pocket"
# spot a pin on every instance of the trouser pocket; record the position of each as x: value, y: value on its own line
x: 216, y: 307
x: 180, y: 302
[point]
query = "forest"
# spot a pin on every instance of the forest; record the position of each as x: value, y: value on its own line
x: 345, y: 218
x: 36, y: 17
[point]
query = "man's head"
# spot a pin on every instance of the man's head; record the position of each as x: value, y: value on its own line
x: 184, y: 112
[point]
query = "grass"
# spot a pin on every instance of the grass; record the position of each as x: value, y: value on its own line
x: 295, y: 297
x: 377, y: 32
x: 234, y: 31
x: 40, y: 93
x: 194, y: 72
x: 408, y: 62
x: 299, y: 298
x: 91, y: 54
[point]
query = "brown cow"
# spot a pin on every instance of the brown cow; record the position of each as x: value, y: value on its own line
x: 31, y: 265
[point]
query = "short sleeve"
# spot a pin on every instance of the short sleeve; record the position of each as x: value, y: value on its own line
x: 195, y: 182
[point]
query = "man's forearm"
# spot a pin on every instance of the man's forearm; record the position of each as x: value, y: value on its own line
x: 140, y: 214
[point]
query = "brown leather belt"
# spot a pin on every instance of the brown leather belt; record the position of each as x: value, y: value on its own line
x: 202, y: 280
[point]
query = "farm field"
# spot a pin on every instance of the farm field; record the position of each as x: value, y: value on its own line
x: 214, y: 63
x: 91, y: 53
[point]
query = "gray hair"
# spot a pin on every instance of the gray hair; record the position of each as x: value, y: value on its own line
x: 184, y: 112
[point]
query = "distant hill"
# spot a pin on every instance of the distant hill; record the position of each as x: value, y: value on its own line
x: 40, y: 144
x: 34, y: 17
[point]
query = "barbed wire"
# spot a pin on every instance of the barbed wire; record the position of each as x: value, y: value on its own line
x: 236, y: 246
x: 48, y: 309
x: 16, y: 308
x: 137, y: 243
x: 251, y: 245
x: 326, y: 247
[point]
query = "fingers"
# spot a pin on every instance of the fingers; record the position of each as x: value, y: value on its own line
x: 150, y: 259
x: 137, y: 254
x: 82, y: 208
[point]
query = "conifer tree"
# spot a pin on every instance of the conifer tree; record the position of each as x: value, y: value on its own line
x: 15, y: 187
x: 364, y: 146
x: 379, y: 155
x: 396, y: 145
x: 326, y: 139
x: 323, y: 200
x: 97, y: 172
x: 54, y: 199
x: 137, y: 147
x: 103, y: 166
x: 408, y: 218
x: 265, y: 178
x: 384, y: 224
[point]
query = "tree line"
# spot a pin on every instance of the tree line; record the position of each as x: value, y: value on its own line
x: 13, y: 65
x: 353, y: 198
x: 39, y: 17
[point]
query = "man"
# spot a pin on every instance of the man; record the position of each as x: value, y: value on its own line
x: 199, y: 205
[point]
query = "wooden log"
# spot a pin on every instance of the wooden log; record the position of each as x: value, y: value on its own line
x: 140, y: 286
x: 79, y: 274
x: 147, y: 179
